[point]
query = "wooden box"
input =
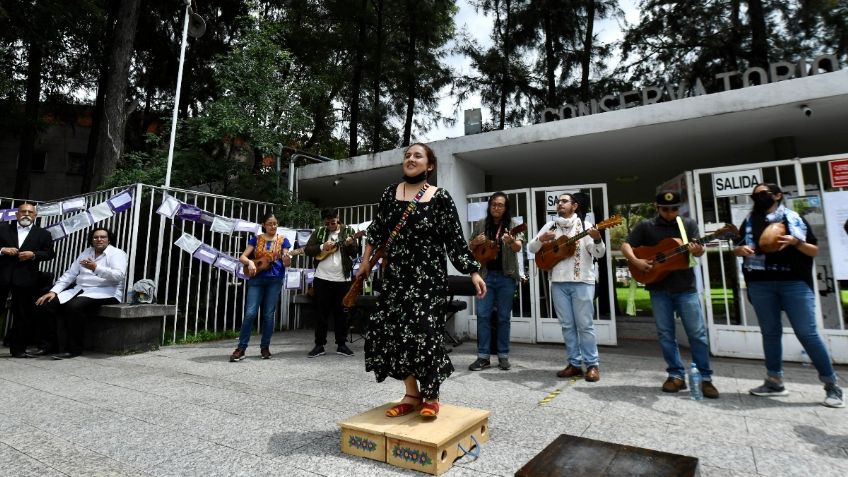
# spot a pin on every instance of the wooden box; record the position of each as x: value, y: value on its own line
x: 413, y: 442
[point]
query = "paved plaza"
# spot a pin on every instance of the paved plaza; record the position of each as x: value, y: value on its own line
x: 184, y: 410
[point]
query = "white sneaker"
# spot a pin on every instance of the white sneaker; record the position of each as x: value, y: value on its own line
x: 834, y: 396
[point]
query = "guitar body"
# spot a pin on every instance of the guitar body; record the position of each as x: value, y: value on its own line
x: 663, y: 265
x: 551, y: 253
x: 768, y: 240
x: 262, y: 263
x: 326, y: 253
x: 349, y: 300
x: 485, y: 252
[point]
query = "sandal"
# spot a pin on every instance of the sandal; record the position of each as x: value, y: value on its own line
x: 429, y: 409
x: 403, y: 408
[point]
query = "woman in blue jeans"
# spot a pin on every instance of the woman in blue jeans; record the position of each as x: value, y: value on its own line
x: 267, y: 271
x: 778, y: 269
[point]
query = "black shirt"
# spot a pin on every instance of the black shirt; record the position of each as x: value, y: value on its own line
x: 651, y: 232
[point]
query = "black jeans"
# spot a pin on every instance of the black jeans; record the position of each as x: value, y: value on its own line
x: 70, y: 319
x: 24, y: 329
x: 328, y: 301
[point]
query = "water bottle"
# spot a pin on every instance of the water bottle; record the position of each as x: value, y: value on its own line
x: 695, y: 391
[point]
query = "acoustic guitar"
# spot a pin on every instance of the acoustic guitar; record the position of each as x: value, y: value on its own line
x: 335, y: 246
x: 564, y: 247
x: 671, y: 254
x: 262, y: 263
x: 488, y: 250
x: 349, y: 300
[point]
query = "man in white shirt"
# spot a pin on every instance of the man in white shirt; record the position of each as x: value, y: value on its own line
x: 573, y: 284
x: 23, y: 245
x: 98, y: 275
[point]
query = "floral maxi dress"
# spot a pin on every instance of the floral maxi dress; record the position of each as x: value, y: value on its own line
x: 404, y: 335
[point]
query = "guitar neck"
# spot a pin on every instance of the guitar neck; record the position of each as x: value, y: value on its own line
x: 699, y: 240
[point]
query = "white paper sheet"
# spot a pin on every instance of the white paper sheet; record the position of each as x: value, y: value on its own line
x: 477, y: 211
x: 245, y: 226
x: 121, y: 199
x: 72, y: 205
x: 223, y: 225
x: 188, y: 242
x: 169, y: 208
x: 293, y: 278
x: 56, y: 231
x: 302, y: 237
x: 836, y: 218
x: 47, y: 210
x: 77, y: 222
x: 226, y: 263
x: 288, y: 233
x: 101, y: 211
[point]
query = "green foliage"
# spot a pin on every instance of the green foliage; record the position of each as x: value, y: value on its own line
x: 201, y: 336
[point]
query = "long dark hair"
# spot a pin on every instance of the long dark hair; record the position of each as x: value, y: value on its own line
x: 506, y: 218
x: 431, y: 156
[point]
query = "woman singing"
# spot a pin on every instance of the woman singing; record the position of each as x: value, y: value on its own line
x: 404, y: 336
x: 267, y: 270
x: 778, y: 247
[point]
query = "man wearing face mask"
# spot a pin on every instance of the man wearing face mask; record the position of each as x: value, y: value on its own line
x: 23, y: 245
x: 675, y: 293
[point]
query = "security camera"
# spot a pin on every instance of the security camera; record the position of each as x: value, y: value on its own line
x: 807, y: 110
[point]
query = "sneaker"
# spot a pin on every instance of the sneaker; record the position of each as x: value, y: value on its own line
x: 709, y: 390
x: 316, y: 351
x: 479, y: 364
x: 673, y: 385
x: 266, y: 353
x: 769, y: 388
x: 343, y: 350
x: 503, y: 364
x: 834, y: 396
x: 237, y: 355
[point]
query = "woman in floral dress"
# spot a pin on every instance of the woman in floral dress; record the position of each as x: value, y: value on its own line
x: 404, y: 335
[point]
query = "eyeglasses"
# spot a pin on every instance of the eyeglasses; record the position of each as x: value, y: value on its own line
x: 498, y: 206
x: 667, y: 208
x: 99, y: 238
x: 330, y: 223
x: 762, y: 193
x: 564, y: 201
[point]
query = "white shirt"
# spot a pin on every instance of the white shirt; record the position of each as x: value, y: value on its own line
x: 23, y: 232
x: 106, y: 281
x: 330, y: 268
x: 565, y: 270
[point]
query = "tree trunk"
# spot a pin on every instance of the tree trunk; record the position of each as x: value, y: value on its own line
x: 735, y: 36
x: 29, y: 132
x: 110, y: 138
x: 551, y: 63
x: 586, y: 59
x: 759, y: 39
x: 410, y: 86
x: 356, y: 84
x: 505, y: 33
x: 378, y: 65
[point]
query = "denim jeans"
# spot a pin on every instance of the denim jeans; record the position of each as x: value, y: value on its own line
x: 575, y: 310
x: 796, y: 298
x: 688, y: 307
x: 500, y: 290
x: 262, y: 292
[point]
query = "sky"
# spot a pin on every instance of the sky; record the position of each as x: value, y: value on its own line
x: 481, y: 28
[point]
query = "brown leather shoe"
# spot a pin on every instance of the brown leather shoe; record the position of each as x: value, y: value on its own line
x: 673, y: 385
x: 709, y: 390
x: 593, y: 375
x: 569, y: 372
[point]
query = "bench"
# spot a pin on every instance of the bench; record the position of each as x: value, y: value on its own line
x: 126, y: 329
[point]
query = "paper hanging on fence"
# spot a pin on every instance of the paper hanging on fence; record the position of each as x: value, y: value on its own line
x: 223, y: 225
x: 288, y: 233
x: 292, y: 278
x: 206, y: 254
x: 188, y: 242
x: 121, y: 202
x: 309, y: 275
x: 73, y: 205
x: 56, y: 231
x: 48, y: 210
x: 227, y: 263
x: 101, y: 211
x: 169, y: 208
x: 77, y: 222
x: 246, y: 226
x: 303, y: 236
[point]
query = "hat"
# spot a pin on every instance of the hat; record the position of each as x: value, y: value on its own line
x: 582, y: 199
x: 668, y: 197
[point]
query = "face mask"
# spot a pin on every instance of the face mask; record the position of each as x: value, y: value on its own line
x: 763, y: 201
x: 415, y: 179
x: 25, y: 221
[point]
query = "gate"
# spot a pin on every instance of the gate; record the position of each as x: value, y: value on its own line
x: 732, y: 322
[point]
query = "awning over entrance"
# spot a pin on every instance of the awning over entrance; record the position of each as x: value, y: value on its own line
x: 632, y: 150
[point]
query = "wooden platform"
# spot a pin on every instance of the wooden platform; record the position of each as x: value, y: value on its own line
x: 413, y: 442
x: 575, y: 456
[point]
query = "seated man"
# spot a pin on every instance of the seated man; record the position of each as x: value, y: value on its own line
x: 99, y: 274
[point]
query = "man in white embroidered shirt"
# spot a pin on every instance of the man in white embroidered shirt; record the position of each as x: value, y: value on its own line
x: 98, y: 275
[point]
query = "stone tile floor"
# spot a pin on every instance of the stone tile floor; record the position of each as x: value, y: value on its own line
x: 185, y: 410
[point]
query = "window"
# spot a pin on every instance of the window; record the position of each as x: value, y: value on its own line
x: 76, y: 163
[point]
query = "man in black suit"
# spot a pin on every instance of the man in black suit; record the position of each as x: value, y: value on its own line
x: 23, y: 245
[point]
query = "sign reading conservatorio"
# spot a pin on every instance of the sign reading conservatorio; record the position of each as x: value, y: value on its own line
x: 753, y: 76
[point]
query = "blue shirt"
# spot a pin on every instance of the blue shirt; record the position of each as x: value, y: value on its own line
x: 277, y: 270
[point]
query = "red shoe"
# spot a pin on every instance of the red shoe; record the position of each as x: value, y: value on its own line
x: 403, y: 408
x: 429, y: 409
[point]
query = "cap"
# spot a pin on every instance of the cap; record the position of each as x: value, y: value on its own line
x: 668, y: 197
